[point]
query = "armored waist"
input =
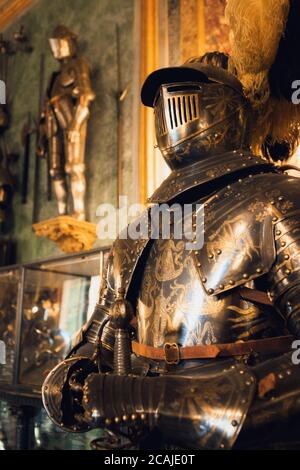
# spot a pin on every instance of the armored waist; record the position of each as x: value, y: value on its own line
x: 172, y: 353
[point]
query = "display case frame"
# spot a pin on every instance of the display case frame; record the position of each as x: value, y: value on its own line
x: 18, y: 393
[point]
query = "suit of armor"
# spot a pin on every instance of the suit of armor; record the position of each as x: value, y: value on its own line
x: 194, y: 346
x: 64, y: 122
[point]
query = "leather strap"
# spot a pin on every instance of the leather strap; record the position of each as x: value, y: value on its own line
x: 255, y: 296
x: 172, y: 353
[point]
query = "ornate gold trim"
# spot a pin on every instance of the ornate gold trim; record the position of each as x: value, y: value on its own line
x: 69, y: 234
x: 11, y: 9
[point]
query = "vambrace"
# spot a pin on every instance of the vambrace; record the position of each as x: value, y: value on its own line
x: 284, y: 277
x: 205, y: 412
x: 99, y: 332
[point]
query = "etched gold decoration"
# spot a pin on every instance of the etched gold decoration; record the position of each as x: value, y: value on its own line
x: 69, y: 234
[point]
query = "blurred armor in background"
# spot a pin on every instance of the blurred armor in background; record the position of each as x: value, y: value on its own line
x: 63, y: 123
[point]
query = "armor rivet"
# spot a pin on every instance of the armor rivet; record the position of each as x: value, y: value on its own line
x: 125, y: 418
x: 46, y: 387
x: 229, y: 187
x: 108, y: 421
x: 211, y: 291
x: 278, y: 232
x: 210, y: 256
x: 272, y: 202
x: 219, y: 252
x: 243, y: 401
x: 259, y: 270
x: 244, y: 164
x: 193, y: 390
x: 275, y: 219
x: 231, y: 282
x: 234, y: 423
x: 133, y: 417
x: 280, y: 376
x: 245, y: 276
x: 248, y: 383
x: 178, y: 174
x: 287, y: 271
x: 286, y: 257
x: 250, y: 176
x: 204, y: 279
x: 288, y: 372
x: 61, y: 425
x: 240, y: 181
x: 221, y: 286
x: 228, y: 169
x: 199, y: 265
x: 234, y: 151
x: 222, y: 446
x: 117, y: 419
x: 242, y: 372
x: 280, y: 198
x: 196, y: 252
x: 283, y: 243
x: 143, y: 416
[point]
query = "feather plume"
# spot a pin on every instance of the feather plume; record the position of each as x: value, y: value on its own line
x: 265, y: 41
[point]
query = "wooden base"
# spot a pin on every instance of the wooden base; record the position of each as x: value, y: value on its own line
x: 69, y: 234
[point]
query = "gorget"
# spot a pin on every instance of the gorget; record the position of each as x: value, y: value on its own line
x: 209, y: 169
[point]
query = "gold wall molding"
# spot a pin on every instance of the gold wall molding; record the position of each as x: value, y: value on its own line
x: 10, y: 10
x: 192, y: 28
x: 153, y: 54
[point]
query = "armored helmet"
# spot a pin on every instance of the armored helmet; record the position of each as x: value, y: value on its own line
x: 199, y: 109
x: 63, y: 42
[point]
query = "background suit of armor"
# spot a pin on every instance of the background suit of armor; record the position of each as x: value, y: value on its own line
x: 64, y: 126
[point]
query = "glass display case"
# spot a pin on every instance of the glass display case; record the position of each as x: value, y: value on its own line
x: 58, y: 298
x: 9, y: 298
x: 43, y: 305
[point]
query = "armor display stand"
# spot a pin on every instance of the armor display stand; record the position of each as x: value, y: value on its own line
x: 69, y: 234
x: 61, y: 138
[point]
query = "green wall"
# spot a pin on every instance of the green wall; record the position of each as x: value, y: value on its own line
x: 94, y: 21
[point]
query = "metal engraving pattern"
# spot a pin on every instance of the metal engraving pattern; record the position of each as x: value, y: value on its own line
x: 205, y: 170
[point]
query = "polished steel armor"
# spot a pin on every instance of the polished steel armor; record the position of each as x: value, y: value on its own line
x: 64, y: 122
x: 191, y: 298
x: 193, y: 119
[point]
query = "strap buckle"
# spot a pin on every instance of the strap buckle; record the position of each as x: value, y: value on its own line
x: 172, y: 353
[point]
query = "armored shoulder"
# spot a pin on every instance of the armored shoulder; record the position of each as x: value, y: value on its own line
x: 286, y: 220
x: 244, y: 223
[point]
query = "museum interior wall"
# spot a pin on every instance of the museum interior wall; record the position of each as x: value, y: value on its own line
x: 95, y: 24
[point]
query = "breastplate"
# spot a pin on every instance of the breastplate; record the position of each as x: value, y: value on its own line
x: 173, y: 306
x: 64, y: 82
